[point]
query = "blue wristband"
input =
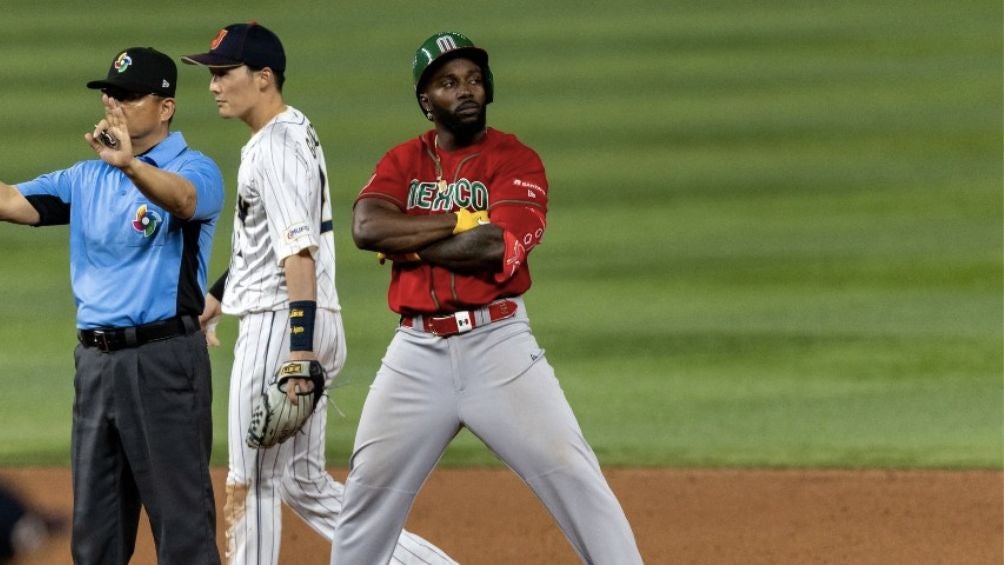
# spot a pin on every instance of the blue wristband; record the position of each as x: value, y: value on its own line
x: 301, y: 325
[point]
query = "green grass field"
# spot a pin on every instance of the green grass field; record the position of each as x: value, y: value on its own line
x: 775, y: 233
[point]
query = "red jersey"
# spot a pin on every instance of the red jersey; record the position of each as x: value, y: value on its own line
x: 498, y: 174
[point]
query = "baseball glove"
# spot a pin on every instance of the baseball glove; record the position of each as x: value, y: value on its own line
x: 274, y: 418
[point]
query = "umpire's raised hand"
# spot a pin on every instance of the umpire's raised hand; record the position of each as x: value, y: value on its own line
x: 110, y: 138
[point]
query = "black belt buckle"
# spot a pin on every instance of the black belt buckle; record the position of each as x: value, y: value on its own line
x: 113, y: 339
x: 101, y: 341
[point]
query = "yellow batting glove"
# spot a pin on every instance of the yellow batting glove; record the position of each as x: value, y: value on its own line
x: 467, y: 220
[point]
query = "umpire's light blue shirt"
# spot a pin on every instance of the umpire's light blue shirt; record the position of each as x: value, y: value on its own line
x: 131, y: 262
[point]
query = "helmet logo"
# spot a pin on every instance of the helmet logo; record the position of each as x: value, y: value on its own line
x: 218, y: 39
x: 446, y: 43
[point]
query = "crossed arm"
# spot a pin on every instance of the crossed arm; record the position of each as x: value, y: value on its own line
x: 378, y: 225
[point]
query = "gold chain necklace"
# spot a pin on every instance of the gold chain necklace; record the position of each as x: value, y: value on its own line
x: 440, y: 181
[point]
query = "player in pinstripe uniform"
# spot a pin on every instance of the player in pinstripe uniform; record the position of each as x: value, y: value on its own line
x: 282, y: 261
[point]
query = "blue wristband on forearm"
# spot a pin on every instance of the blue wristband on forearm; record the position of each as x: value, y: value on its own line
x: 301, y: 325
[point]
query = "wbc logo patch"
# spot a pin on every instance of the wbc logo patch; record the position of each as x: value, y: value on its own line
x: 146, y: 221
x: 122, y: 62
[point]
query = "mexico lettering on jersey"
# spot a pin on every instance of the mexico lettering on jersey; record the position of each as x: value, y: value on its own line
x: 283, y: 207
x: 499, y: 174
x: 462, y: 193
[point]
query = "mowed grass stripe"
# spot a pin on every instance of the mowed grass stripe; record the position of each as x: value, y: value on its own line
x: 775, y: 229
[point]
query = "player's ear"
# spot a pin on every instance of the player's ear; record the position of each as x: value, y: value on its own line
x: 167, y: 109
x: 267, y: 77
x: 426, y: 106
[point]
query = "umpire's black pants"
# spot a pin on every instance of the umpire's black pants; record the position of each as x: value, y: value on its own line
x: 142, y: 436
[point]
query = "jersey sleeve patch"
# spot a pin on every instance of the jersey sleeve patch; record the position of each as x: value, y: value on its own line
x: 533, y: 191
x: 294, y: 239
x: 296, y: 231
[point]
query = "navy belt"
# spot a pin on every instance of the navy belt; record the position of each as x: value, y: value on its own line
x: 113, y: 339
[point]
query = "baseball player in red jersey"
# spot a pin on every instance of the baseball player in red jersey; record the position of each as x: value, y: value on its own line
x: 456, y: 212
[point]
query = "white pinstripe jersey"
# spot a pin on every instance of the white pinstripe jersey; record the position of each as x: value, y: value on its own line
x: 283, y: 207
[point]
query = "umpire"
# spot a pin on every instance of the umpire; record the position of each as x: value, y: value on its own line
x: 141, y: 220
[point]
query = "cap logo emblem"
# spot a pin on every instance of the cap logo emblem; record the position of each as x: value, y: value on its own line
x: 218, y: 39
x: 446, y: 43
x: 164, y: 83
x: 122, y: 62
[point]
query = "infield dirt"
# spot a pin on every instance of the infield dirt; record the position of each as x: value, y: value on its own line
x: 679, y: 516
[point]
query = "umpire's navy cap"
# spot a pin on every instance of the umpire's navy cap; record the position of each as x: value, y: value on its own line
x: 140, y: 69
x: 243, y: 44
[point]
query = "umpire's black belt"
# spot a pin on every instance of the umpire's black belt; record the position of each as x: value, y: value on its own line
x: 112, y: 339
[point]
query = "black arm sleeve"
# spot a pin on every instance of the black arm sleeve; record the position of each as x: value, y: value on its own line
x: 51, y: 210
x: 217, y: 289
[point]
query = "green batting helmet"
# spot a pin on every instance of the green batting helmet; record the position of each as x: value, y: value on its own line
x: 441, y: 47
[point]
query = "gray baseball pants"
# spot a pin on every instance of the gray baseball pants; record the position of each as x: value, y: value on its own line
x: 495, y: 381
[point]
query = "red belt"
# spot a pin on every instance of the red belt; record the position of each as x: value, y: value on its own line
x: 463, y: 321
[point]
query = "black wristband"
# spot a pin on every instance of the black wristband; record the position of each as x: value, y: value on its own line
x: 217, y: 289
x: 301, y: 325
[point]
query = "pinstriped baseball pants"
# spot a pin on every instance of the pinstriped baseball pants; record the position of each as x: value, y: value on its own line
x: 293, y: 472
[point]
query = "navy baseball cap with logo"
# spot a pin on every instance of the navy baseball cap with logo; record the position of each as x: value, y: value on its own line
x: 243, y: 44
x: 142, y: 70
